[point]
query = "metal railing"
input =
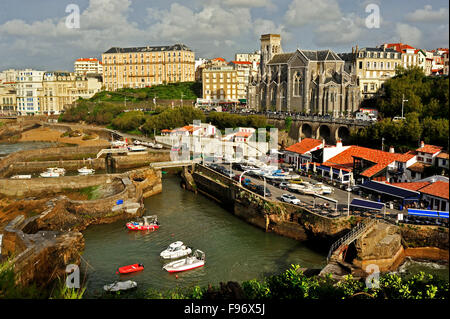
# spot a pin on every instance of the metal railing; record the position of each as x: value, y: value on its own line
x: 352, y: 235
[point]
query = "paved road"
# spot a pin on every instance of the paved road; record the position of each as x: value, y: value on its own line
x: 337, y: 194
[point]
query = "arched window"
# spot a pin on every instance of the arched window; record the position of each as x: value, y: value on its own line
x: 297, y: 82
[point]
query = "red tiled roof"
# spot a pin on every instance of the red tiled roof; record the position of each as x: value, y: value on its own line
x: 243, y: 134
x: 438, y: 189
x: 380, y: 158
x: 87, y: 59
x: 219, y: 59
x: 442, y: 155
x: 398, y: 46
x: 241, y: 62
x: 413, y: 186
x: 406, y: 157
x: 306, y: 145
x: 430, y: 149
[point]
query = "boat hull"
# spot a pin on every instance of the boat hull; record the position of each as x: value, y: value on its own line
x: 184, y: 268
x: 130, y: 269
x: 132, y: 226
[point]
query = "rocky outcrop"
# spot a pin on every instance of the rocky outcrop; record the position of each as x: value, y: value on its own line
x: 43, y: 246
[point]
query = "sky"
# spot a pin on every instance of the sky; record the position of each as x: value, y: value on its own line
x: 35, y: 33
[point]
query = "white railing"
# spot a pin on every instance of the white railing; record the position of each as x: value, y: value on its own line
x: 352, y: 235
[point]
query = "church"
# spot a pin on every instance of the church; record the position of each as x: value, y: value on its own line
x: 304, y: 81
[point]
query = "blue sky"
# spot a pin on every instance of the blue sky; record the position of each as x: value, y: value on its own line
x: 33, y: 32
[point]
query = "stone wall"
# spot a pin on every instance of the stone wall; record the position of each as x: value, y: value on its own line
x: 28, y: 155
x: 39, y: 186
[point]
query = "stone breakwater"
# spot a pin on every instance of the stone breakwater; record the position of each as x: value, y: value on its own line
x: 43, y: 245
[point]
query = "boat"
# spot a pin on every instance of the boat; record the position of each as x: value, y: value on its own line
x: 191, y: 262
x: 137, y: 148
x: 158, y: 146
x: 86, y: 171
x: 147, y: 223
x: 118, y: 143
x: 130, y: 268
x: 60, y: 171
x: 120, y: 285
x: 176, y: 250
x: 21, y: 177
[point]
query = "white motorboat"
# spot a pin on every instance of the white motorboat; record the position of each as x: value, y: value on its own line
x: 195, y: 261
x: 21, y: 177
x: 53, y: 172
x: 137, y: 142
x: 120, y: 285
x: 137, y: 148
x: 324, y: 189
x: 118, y: 143
x: 176, y: 250
x: 49, y: 174
x: 158, y: 146
x: 60, y: 171
x: 86, y: 171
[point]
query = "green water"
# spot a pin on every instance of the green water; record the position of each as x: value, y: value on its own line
x: 234, y: 249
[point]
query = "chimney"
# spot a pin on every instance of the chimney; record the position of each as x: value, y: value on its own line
x: 391, y: 149
x: 422, y: 144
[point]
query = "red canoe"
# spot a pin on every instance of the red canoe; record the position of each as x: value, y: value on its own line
x: 130, y: 268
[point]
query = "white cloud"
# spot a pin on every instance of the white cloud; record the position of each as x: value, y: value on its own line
x: 345, y: 31
x: 302, y: 12
x: 427, y: 15
x: 249, y: 3
x: 408, y: 34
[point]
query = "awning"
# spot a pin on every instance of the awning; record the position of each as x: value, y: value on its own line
x: 391, y: 190
x: 243, y: 100
x: 325, y: 198
x: 427, y: 213
x: 367, y: 204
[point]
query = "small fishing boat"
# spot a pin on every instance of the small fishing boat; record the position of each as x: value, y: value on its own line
x: 120, y: 285
x: 130, y: 268
x: 118, y: 143
x: 176, y: 250
x: 195, y: 261
x: 157, y: 146
x: 86, y: 171
x: 137, y: 148
x: 147, y: 223
x: 21, y: 177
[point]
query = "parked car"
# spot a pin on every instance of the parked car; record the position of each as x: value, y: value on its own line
x: 289, y: 198
x: 283, y: 185
x: 260, y: 191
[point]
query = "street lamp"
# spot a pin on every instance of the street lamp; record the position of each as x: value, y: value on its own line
x: 403, y: 100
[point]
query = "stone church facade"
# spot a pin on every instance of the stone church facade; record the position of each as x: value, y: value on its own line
x: 304, y: 81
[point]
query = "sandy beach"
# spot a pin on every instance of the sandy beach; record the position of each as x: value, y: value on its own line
x: 48, y: 135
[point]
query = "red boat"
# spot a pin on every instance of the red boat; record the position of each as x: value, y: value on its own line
x: 130, y: 268
x: 147, y: 223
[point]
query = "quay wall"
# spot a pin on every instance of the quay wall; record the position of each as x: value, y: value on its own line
x: 38, y: 186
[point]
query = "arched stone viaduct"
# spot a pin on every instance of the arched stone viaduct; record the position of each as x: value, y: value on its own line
x: 330, y: 130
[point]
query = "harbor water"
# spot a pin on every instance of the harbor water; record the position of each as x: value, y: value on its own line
x: 235, y: 250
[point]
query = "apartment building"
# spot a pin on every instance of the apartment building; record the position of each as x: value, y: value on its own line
x: 373, y: 67
x: 8, y: 100
x: 61, y: 89
x: 250, y: 57
x: 85, y: 66
x: 8, y: 76
x: 410, y: 57
x: 146, y: 66
x: 29, y: 85
x: 220, y: 84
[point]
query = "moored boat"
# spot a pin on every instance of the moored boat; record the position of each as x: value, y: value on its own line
x: 195, y: 261
x: 120, y: 285
x: 175, y: 250
x: 21, y: 177
x: 130, y: 268
x: 147, y: 223
x: 86, y: 171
